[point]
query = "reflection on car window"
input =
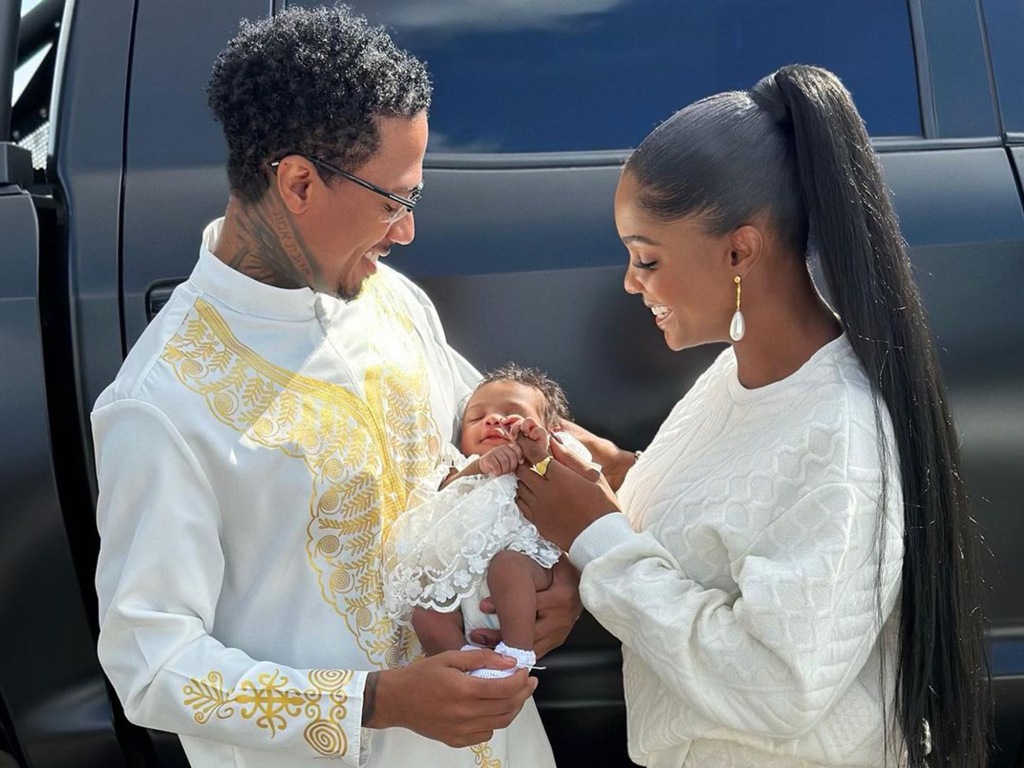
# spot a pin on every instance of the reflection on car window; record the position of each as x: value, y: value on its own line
x: 561, y: 75
x: 1004, y: 20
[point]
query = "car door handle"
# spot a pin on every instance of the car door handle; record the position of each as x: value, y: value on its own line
x: 159, y: 293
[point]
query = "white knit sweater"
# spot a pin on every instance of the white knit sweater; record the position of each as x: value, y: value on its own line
x: 742, y: 577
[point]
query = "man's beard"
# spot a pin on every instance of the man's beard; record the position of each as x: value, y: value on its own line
x: 347, y: 295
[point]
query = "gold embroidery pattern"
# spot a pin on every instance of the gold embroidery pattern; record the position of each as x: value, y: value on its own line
x: 271, y: 705
x: 363, y: 456
x: 325, y: 735
x: 485, y: 756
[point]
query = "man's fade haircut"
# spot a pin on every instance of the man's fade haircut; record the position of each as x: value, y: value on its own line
x: 310, y: 82
x: 556, y: 405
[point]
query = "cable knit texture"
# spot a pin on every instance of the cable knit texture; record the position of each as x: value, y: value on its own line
x: 745, y: 591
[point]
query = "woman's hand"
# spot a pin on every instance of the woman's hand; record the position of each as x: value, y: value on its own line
x: 614, y: 461
x: 569, y: 497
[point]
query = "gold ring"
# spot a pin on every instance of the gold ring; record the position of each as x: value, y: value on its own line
x: 541, y: 467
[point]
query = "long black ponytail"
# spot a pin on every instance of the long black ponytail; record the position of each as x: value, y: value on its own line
x: 794, y: 146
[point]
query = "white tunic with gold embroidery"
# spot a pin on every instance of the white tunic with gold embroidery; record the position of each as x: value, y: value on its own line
x: 252, y: 455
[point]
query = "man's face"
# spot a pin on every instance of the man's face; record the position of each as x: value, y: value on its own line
x: 348, y: 228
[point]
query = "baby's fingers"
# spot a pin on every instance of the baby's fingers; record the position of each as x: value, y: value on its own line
x: 514, y: 456
x: 513, y: 424
x: 537, y: 432
x: 506, y: 459
x: 489, y: 464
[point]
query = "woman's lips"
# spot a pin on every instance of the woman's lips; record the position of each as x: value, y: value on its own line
x: 661, y: 314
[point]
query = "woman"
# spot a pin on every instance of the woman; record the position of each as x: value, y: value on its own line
x: 794, y: 578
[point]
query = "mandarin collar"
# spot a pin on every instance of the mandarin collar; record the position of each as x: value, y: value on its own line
x: 246, y: 295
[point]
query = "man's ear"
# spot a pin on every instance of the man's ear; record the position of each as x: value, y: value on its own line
x: 747, y: 244
x: 294, y: 181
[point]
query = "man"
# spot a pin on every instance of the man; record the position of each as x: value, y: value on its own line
x: 263, y: 435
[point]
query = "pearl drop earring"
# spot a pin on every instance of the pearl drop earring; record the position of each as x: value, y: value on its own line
x: 738, y: 326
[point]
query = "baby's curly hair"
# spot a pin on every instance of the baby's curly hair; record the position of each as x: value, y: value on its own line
x: 556, y: 406
x: 310, y: 82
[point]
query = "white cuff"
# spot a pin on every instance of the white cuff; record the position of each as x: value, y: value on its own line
x: 600, y: 536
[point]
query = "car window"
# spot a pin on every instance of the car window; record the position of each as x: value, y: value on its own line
x: 551, y: 75
x: 1004, y: 20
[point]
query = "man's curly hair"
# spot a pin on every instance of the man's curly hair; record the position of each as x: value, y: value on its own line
x: 311, y: 82
x: 556, y: 406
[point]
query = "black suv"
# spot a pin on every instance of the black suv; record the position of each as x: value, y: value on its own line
x: 114, y: 165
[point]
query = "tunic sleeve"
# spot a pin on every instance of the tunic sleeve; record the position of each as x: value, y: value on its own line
x: 158, y: 578
x: 770, y: 661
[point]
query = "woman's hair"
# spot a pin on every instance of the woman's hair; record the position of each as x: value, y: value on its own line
x: 310, y: 82
x: 794, y: 150
x: 556, y: 406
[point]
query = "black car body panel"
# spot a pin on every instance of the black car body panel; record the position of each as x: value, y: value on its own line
x: 110, y: 222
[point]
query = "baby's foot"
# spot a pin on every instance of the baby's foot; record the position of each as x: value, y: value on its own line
x: 524, y: 660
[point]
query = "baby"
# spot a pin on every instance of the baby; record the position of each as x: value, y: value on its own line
x: 462, y: 537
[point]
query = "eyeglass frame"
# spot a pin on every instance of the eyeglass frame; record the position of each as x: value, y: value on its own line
x: 407, y: 203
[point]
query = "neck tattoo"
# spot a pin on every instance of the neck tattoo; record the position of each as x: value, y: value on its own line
x: 269, y: 249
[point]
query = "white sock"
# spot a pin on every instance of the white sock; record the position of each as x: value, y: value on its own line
x: 524, y: 659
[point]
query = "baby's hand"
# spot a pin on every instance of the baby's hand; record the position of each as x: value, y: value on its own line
x: 511, y: 424
x: 532, y: 438
x: 501, y: 460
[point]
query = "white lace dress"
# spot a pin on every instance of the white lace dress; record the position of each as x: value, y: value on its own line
x: 437, y: 553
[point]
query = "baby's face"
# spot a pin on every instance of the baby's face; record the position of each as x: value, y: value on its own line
x: 492, y: 402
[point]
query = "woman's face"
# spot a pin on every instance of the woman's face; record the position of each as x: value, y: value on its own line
x: 682, y: 273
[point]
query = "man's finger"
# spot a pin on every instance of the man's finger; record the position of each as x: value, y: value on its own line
x: 467, y: 661
x: 472, y: 739
x: 516, y: 688
x: 487, y: 711
x: 488, y: 637
x: 487, y: 606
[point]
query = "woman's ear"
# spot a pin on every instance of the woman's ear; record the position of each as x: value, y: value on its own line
x: 294, y: 181
x: 747, y: 244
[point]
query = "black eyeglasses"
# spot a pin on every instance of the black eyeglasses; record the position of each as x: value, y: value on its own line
x: 406, y: 204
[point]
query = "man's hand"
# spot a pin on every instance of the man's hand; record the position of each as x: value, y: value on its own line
x: 437, y: 699
x: 558, y: 608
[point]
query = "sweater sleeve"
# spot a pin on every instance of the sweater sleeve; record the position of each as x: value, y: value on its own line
x: 771, y: 660
x: 158, y: 578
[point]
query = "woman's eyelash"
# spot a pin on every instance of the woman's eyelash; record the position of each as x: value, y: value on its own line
x: 643, y: 264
